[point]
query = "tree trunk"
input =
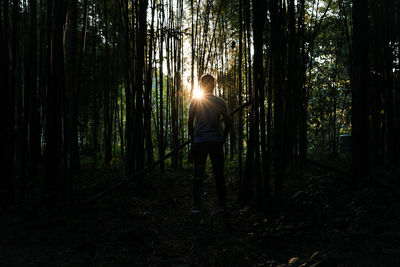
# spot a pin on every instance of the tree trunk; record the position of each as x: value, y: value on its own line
x: 161, y: 144
x: 35, y: 127
x: 359, y: 86
x: 240, y: 114
x: 7, y: 114
x: 140, y: 65
x: 148, y: 92
x: 55, y: 180
x: 107, y: 92
x: 277, y: 82
x: 259, y: 12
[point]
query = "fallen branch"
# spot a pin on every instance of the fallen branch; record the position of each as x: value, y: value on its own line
x: 151, y: 166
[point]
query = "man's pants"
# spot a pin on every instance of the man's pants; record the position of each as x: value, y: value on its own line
x: 199, y: 156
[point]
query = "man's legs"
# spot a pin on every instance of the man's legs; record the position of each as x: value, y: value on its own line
x: 217, y: 161
x: 199, y: 160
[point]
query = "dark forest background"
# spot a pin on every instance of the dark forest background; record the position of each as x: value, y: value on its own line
x: 102, y: 82
x: 105, y: 85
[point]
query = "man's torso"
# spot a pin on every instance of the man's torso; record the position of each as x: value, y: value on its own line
x: 208, y: 111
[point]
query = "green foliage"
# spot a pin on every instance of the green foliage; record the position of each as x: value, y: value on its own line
x: 328, y: 83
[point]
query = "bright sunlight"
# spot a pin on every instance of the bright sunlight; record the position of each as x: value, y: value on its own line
x: 197, y: 93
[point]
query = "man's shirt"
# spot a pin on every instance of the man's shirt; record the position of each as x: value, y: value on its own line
x: 207, y: 112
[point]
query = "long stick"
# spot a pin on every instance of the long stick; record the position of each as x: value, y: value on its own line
x: 151, y: 166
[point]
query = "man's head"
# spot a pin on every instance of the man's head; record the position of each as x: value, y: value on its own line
x: 207, y: 82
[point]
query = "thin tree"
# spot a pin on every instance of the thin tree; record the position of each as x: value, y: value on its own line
x: 359, y: 89
x: 259, y: 12
x: 7, y: 114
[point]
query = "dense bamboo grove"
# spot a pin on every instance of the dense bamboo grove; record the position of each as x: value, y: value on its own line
x: 90, y: 82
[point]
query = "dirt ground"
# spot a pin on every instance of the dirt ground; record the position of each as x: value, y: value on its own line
x: 321, y: 223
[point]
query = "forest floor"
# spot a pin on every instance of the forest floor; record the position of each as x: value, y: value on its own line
x: 321, y: 223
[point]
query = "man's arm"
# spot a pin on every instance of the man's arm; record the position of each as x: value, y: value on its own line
x: 191, y: 120
x: 228, y: 124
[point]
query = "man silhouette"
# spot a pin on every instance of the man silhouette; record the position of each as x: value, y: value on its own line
x: 207, y: 139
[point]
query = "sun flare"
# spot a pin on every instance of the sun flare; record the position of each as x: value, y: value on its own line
x: 197, y: 93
